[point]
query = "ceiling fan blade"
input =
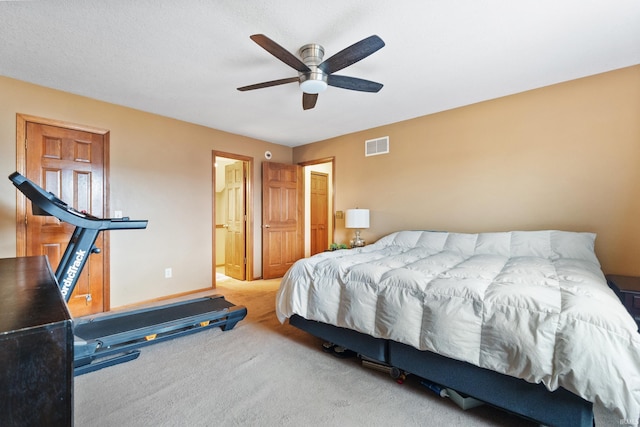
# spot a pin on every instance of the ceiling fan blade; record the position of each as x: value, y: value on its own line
x: 309, y: 100
x: 268, y: 84
x: 353, y: 83
x: 352, y: 54
x: 279, y: 52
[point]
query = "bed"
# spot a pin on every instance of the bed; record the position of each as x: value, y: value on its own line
x: 521, y: 320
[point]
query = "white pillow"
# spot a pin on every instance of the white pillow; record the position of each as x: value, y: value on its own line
x: 407, y: 239
x: 433, y: 241
x: 566, y: 244
x: 531, y: 243
x: 494, y: 244
x: 462, y: 243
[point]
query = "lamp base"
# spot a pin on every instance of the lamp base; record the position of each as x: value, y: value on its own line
x: 357, y: 242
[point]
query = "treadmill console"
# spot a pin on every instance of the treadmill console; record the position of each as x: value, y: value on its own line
x: 46, y: 203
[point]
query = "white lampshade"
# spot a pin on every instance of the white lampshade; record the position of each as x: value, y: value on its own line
x: 357, y: 218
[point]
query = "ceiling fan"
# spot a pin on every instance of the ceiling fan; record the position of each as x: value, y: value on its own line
x: 314, y: 74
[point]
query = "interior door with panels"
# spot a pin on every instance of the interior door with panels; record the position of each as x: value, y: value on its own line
x: 319, y: 212
x: 282, y: 218
x: 69, y: 163
x: 235, y: 216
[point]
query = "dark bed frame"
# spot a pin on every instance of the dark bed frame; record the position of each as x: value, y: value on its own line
x: 559, y: 408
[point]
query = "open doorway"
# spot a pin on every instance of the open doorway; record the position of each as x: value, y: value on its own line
x: 232, y: 216
x: 319, y: 222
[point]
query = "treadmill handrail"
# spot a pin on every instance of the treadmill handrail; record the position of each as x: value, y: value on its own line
x: 53, y: 206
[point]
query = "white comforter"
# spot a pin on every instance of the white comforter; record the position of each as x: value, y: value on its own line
x: 533, y: 305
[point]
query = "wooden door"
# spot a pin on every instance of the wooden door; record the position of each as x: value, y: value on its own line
x: 235, y: 221
x: 282, y: 218
x: 70, y: 164
x: 319, y: 212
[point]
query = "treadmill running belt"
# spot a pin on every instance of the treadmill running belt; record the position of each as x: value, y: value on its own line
x: 130, y: 321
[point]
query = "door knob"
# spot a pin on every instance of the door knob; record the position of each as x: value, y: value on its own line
x: 267, y: 226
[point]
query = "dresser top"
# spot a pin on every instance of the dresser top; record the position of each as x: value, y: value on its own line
x: 29, y: 295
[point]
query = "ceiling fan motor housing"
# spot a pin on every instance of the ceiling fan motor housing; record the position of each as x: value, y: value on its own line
x: 314, y: 81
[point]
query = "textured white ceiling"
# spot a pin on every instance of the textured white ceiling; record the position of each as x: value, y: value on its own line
x: 184, y: 59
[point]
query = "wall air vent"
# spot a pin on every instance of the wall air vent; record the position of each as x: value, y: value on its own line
x: 373, y: 147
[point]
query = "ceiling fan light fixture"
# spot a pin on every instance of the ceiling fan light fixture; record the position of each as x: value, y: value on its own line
x: 314, y: 81
x: 313, y: 86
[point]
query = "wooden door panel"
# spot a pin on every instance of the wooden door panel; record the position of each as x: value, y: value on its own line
x: 282, y: 218
x: 235, y: 248
x: 283, y: 247
x: 319, y: 212
x: 70, y: 164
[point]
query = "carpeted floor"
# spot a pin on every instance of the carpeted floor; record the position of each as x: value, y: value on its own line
x: 260, y: 373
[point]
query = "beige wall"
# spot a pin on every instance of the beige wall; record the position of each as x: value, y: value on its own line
x: 160, y: 170
x: 561, y: 157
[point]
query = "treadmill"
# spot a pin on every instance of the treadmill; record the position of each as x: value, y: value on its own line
x: 109, y: 339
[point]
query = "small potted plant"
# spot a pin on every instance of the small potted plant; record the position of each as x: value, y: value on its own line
x: 336, y: 246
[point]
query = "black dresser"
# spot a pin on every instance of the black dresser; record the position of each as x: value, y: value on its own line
x: 36, y: 346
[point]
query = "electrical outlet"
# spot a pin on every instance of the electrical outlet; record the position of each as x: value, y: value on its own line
x: 117, y: 214
x: 168, y: 272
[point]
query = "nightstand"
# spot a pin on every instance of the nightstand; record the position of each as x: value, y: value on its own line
x: 628, y: 290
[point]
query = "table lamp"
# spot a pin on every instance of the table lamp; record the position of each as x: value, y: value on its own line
x: 358, y: 219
